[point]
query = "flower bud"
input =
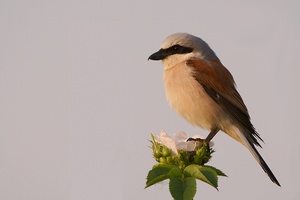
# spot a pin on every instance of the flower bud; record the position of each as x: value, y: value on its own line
x: 163, y: 160
x: 181, y: 164
x: 170, y: 160
x: 157, y: 153
x: 165, y: 152
x: 198, y: 160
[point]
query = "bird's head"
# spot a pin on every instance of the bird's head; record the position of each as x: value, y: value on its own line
x: 180, y: 47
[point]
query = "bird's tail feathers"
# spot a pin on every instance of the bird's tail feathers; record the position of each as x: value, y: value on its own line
x: 256, y: 155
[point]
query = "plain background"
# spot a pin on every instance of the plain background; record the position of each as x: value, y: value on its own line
x: 79, y: 100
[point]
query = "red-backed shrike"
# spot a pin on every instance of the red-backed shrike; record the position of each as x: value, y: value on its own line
x: 201, y: 90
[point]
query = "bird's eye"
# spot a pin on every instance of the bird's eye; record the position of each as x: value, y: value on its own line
x: 176, y: 48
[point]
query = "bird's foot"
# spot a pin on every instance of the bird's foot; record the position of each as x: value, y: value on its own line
x: 195, y: 139
x: 198, y: 141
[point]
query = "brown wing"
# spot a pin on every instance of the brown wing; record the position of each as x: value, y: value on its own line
x: 219, y: 85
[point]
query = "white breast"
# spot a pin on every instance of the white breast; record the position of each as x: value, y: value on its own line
x: 188, y: 98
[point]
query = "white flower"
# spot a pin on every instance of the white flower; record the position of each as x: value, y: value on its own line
x: 166, y: 140
x: 179, y: 142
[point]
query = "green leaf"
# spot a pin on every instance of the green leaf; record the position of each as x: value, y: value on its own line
x: 202, y: 173
x: 158, y: 173
x: 175, y: 172
x: 219, y: 172
x: 182, y: 188
x: 211, y: 176
x: 190, y: 188
x: 176, y: 187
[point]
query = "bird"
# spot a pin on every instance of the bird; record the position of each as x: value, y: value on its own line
x: 203, y: 91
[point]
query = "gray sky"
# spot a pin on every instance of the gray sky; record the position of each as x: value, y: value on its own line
x: 79, y: 99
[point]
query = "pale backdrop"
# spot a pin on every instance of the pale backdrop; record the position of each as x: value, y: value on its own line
x: 78, y: 98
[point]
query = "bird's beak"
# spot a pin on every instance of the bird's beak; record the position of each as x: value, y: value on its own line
x: 160, y: 55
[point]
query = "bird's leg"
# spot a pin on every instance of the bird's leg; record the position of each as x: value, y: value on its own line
x: 210, y: 136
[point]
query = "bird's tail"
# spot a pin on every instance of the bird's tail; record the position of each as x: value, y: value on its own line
x: 256, y: 155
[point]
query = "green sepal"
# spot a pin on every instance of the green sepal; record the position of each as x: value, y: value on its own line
x: 203, y: 154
